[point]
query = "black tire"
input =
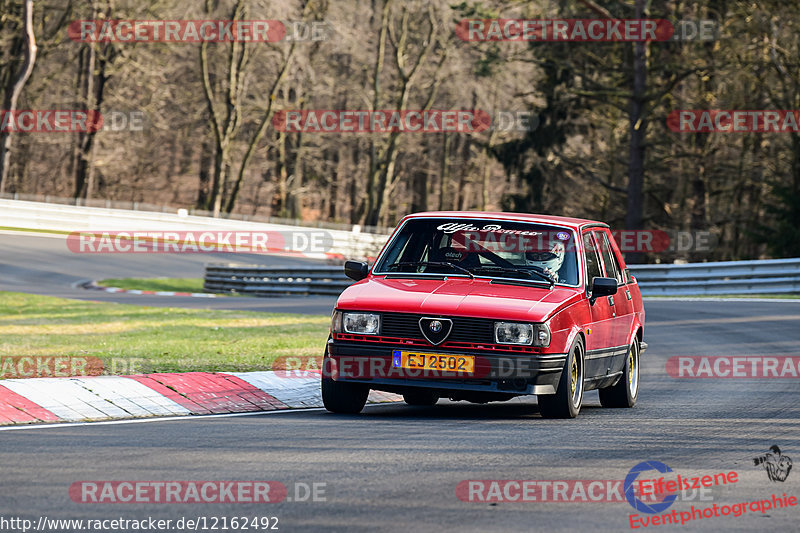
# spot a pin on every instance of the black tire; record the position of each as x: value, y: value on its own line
x: 625, y: 391
x: 566, y: 402
x: 424, y: 398
x: 343, y: 397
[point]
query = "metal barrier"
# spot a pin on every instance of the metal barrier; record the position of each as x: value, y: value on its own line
x: 773, y: 276
x: 146, y: 209
x: 34, y: 215
x: 271, y: 281
x: 778, y: 276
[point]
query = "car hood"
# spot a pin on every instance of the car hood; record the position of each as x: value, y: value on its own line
x: 457, y: 297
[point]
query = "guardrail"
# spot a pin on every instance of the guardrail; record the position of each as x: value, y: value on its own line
x: 147, y: 209
x: 270, y: 281
x: 773, y: 276
x: 778, y: 276
x: 36, y: 215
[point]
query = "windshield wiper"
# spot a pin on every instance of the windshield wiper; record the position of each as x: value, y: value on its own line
x: 434, y: 263
x: 527, y: 272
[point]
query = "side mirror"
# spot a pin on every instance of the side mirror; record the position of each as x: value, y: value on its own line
x: 356, y: 270
x: 602, y: 287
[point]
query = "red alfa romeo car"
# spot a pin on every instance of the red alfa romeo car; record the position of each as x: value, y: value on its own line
x: 485, y: 307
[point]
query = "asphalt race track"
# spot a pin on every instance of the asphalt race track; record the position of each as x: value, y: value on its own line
x: 42, y: 264
x: 396, y: 468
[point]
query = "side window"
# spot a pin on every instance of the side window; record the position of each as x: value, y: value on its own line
x: 609, y: 257
x: 592, y: 259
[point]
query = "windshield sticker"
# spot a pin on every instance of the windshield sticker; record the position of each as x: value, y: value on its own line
x: 453, y: 255
x: 453, y: 227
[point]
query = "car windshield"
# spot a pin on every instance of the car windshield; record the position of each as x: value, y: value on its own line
x: 483, y: 248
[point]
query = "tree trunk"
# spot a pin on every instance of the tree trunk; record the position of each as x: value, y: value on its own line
x: 638, y: 131
x: 387, y: 180
x: 10, y: 105
x: 333, y: 190
x: 444, y: 174
x: 462, y: 192
x: 96, y: 98
x: 373, y: 190
x: 419, y: 191
x: 282, y: 173
x: 203, y: 187
x: 357, y: 200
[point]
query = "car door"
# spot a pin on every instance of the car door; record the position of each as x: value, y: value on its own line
x: 599, y: 340
x: 620, y: 304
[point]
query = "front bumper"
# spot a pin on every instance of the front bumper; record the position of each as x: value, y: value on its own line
x: 511, y: 373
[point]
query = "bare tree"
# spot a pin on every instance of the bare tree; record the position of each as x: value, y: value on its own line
x: 94, y: 61
x: 383, y: 176
x: 10, y: 101
x: 227, y: 118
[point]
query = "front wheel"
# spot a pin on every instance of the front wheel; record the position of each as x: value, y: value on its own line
x: 566, y: 402
x: 625, y: 392
x: 342, y: 397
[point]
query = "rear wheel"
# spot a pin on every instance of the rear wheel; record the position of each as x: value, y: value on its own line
x: 625, y: 392
x: 342, y: 397
x: 566, y: 402
x: 421, y: 398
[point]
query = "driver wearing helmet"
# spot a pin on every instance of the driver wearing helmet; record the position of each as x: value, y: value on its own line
x: 549, y: 261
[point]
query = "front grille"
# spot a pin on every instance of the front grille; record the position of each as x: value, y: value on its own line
x: 465, y: 329
x: 421, y: 343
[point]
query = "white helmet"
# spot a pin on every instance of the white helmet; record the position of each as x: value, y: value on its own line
x: 549, y: 261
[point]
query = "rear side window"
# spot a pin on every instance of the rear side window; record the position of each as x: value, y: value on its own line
x: 592, y: 259
x: 609, y: 257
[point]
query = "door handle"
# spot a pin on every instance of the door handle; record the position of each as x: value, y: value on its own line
x: 610, y: 300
